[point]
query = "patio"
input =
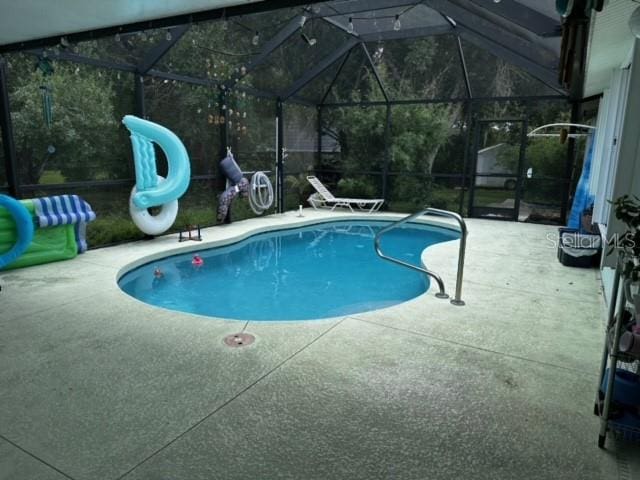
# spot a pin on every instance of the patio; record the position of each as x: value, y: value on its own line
x: 97, y: 385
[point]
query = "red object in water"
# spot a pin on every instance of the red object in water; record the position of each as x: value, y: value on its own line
x: 197, y: 260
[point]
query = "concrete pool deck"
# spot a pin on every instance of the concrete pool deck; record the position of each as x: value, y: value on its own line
x: 97, y: 385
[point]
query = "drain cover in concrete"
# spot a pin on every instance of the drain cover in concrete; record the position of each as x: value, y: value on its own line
x: 239, y: 339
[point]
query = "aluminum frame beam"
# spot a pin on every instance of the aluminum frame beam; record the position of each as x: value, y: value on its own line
x: 278, y: 39
x: 535, y: 52
x: 124, y: 67
x: 426, y: 101
x: 318, y: 69
x: 205, y: 82
x: 155, y: 54
x: 339, y: 26
x: 524, y: 16
x: 210, y: 83
x: 407, y: 33
x: 75, y: 58
x: 546, y: 76
x: 138, y: 96
x: 335, y: 77
x: 280, y: 156
x: 463, y: 65
x: 361, y: 6
x: 376, y: 74
x: 8, y: 144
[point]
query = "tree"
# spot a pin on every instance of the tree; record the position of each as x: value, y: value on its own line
x: 418, y: 133
x: 409, y: 69
x: 82, y: 140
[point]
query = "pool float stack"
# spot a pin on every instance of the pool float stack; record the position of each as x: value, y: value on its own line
x: 152, y: 190
x: 42, y: 230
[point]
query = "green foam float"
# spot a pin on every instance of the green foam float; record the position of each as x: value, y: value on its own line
x: 47, y: 244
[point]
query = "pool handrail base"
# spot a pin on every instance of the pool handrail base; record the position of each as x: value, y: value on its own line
x: 463, y: 244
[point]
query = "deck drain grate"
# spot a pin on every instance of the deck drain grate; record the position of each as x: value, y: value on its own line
x: 239, y: 339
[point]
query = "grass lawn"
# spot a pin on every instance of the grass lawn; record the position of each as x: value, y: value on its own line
x: 485, y: 196
x: 50, y: 177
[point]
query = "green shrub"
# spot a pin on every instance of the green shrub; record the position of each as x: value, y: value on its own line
x: 112, y: 229
x: 356, y: 188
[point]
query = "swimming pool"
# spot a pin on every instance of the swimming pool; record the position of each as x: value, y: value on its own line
x: 312, y: 272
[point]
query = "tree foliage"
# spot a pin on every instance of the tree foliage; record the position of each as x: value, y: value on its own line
x: 83, y: 141
x: 418, y: 134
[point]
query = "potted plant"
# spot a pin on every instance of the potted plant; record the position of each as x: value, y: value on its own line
x: 627, y: 210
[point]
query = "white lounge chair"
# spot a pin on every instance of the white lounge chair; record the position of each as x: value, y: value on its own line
x: 324, y: 198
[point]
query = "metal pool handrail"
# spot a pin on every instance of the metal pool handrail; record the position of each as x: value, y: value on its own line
x: 463, y: 245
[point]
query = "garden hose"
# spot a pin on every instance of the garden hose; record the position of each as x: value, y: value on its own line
x: 260, y: 193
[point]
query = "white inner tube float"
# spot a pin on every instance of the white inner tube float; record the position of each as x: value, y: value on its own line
x: 153, y: 224
x: 260, y: 193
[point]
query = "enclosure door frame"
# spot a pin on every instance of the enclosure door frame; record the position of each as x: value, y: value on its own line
x: 478, y: 128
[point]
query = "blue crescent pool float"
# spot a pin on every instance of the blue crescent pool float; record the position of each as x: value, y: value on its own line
x: 152, y: 190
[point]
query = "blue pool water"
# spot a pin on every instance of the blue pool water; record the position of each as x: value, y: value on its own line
x: 312, y: 272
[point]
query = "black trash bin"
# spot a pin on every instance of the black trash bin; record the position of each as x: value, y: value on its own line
x: 577, y: 249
